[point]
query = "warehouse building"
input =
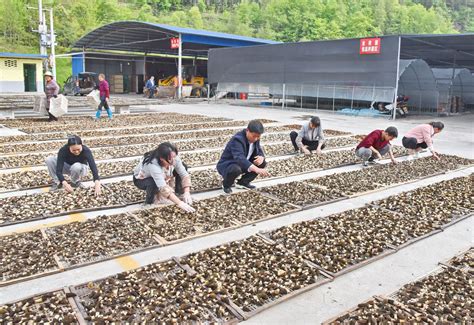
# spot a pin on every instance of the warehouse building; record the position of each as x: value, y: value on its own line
x: 128, y: 52
x: 353, y: 73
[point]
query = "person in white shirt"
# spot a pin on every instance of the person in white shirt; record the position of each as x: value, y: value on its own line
x: 158, y: 172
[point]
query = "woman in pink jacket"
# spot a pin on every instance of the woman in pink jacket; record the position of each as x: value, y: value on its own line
x: 420, y: 137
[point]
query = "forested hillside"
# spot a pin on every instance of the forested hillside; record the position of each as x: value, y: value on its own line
x: 282, y: 20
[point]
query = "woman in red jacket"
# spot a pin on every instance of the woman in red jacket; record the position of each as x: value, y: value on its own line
x: 104, y: 97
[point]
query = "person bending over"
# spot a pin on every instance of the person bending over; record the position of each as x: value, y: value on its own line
x: 158, y: 172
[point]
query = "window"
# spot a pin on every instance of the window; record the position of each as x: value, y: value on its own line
x: 10, y: 63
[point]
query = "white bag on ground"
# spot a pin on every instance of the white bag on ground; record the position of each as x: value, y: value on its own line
x: 93, y: 98
x: 58, y: 106
x: 187, y: 91
x: 40, y: 104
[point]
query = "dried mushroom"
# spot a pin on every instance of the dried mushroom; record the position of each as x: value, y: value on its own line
x: 303, y: 164
x: 159, y: 293
x: 99, y: 238
x: 300, y: 193
x: 465, y: 260
x: 439, y: 203
x: 446, y: 297
x: 251, y: 272
x: 29, y: 207
x: 344, y: 239
x: 24, y: 255
x: 73, y: 125
x: 171, y: 223
x: 48, y: 308
x: 378, y: 311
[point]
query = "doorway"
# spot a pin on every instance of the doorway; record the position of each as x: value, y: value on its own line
x: 29, y: 74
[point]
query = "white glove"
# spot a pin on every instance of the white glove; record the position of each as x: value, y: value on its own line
x: 187, y: 198
x: 186, y: 207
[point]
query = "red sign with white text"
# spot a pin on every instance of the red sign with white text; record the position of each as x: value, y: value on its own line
x: 370, y: 46
x: 175, y: 43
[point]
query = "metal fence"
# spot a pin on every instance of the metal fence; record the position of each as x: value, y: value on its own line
x: 334, y: 97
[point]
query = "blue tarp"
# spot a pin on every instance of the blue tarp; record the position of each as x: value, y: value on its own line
x: 362, y: 112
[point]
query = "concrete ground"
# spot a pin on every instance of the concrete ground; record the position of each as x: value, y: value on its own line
x: 381, y: 277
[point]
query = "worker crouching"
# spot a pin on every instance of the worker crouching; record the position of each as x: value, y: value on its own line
x: 309, y: 138
x: 244, y: 156
x: 161, y: 170
x: 376, y: 144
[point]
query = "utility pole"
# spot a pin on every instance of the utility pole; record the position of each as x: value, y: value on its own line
x: 52, y: 42
x: 42, y: 29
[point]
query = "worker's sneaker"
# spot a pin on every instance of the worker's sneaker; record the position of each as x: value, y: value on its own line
x: 55, y: 187
x: 245, y: 186
x: 227, y: 190
x: 77, y: 185
x: 365, y: 164
x: 371, y: 160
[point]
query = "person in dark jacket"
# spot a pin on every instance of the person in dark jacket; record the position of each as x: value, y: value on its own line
x: 104, y: 90
x: 244, y: 156
x: 52, y: 91
x: 73, y: 159
x: 150, y: 85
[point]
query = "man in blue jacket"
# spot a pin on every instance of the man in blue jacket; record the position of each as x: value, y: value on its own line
x: 150, y: 85
x: 244, y: 156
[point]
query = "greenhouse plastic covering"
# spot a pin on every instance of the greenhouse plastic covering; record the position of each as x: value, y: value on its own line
x: 325, y: 69
x: 459, y: 82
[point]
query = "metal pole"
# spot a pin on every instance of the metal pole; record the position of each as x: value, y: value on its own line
x: 398, y: 77
x: 283, y: 97
x: 419, y: 107
x: 301, y: 97
x: 352, y: 99
x: 84, y: 59
x: 208, y: 93
x: 333, y: 97
x: 41, y: 28
x: 317, y: 99
x: 450, y: 95
x: 180, y: 68
x: 144, y: 67
x: 53, y: 41
x: 437, y: 101
x: 373, y: 95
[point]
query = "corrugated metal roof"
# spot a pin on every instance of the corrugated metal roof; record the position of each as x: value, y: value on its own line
x: 136, y: 36
x: 22, y: 55
x: 202, y: 32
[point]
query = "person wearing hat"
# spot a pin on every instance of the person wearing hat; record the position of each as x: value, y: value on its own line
x: 73, y: 159
x: 309, y: 138
x: 376, y: 144
x: 158, y: 172
x: 51, y: 91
